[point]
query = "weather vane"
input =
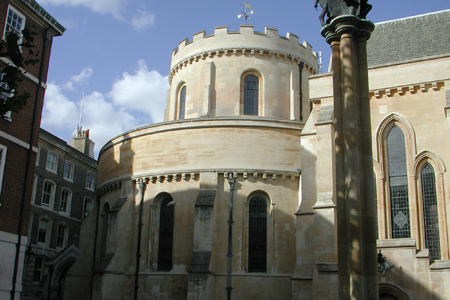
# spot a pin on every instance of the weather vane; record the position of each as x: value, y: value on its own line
x: 245, y: 14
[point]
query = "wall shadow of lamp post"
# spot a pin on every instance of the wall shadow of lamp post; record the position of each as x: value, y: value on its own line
x: 29, y: 254
x: 383, y: 265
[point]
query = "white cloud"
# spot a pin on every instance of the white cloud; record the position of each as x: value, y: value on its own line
x: 106, y: 115
x: 145, y: 91
x: 113, y: 7
x: 105, y: 121
x: 59, y: 112
x: 83, y: 77
x: 142, y: 20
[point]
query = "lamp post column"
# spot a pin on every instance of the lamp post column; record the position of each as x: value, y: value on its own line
x: 347, y: 35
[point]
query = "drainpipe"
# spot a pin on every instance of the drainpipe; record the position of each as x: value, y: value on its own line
x: 300, y: 72
x: 231, y: 181
x: 142, y: 187
x: 28, y: 163
x: 96, y: 199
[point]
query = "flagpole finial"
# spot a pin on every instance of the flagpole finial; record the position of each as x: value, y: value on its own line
x: 246, y: 14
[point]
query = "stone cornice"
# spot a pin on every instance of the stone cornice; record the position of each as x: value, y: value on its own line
x: 227, y: 52
x: 188, y: 175
x: 401, y: 90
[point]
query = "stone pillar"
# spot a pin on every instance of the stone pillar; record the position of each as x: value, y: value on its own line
x: 356, y: 229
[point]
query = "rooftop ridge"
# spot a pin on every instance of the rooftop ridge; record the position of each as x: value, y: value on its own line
x: 245, y: 38
x: 413, y: 17
x: 44, y: 15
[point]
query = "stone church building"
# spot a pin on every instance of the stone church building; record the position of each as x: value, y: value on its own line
x: 249, y: 118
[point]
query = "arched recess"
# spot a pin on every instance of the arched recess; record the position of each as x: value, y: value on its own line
x: 258, y: 233
x: 60, y: 266
x: 162, y: 224
x: 392, y: 123
x: 251, y: 85
x: 390, y: 291
x: 104, y: 224
x: 180, y: 107
x: 437, y: 165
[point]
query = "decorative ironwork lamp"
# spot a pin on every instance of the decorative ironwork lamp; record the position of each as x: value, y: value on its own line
x: 29, y: 254
x: 383, y: 264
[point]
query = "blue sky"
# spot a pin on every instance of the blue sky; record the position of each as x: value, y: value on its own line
x: 117, y: 52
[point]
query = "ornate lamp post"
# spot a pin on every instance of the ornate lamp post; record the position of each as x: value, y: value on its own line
x: 231, y: 182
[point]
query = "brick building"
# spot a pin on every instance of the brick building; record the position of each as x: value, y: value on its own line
x: 19, y: 140
x: 63, y: 194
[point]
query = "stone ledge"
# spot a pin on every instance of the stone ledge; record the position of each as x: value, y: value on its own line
x: 327, y: 267
x: 440, y: 265
x: 396, y: 243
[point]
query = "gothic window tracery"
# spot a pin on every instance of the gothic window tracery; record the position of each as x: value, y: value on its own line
x: 398, y: 183
x: 430, y: 211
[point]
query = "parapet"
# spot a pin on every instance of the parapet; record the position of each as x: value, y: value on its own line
x: 246, y: 40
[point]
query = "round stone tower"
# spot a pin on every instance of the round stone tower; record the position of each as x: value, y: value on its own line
x: 208, y: 75
x: 237, y: 104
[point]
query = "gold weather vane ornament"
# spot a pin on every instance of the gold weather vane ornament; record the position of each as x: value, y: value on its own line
x: 246, y: 14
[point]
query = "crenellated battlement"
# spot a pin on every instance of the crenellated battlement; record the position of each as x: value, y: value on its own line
x: 245, y: 41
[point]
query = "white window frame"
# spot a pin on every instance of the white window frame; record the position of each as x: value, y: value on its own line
x: 69, y: 201
x: 2, y: 164
x: 40, y: 269
x: 66, y: 234
x: 3, y: 97
x: 85, y: 210
x: 90, y: 186
x: 70, y: 178
x: 33, y: 192
x: 52, y: 194
x: 55, y: 164
x: 15, y: 11
x: 47, y: 233
x: 38, y: 156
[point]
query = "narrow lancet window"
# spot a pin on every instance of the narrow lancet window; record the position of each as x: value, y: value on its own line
x: 182, y: 103
x: 430, y: 212
x: 398, y: 183
x: 257, y: 235
x: 251, y: 92
x: 166, y: 235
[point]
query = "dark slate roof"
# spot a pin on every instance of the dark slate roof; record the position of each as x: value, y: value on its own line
x: 410, y: 39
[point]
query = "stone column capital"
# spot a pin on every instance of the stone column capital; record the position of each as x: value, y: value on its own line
x: 347, y: 25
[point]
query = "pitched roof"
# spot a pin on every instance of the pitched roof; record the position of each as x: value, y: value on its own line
x: 410, y: 39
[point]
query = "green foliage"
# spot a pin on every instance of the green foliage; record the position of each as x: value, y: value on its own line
x: 19, y: 51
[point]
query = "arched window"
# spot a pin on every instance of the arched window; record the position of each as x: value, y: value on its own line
x: 165, y: 247
x: 430, y: 211
x: 398, y: 183
x: 61, y: 236
x: 66, y: 197
x: 181, y: 112
x: 257, y: 234
x: 251, y: 95
x: 44, y: 230
x: 48, y: 194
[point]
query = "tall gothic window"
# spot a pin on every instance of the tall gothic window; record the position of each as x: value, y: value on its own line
x: 257, y: 235
x: 430, y: 211
x: 398, y: 183
x: 182, y: 103
x: 166, y: 234
x: 251, y: 92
